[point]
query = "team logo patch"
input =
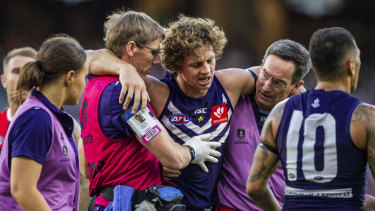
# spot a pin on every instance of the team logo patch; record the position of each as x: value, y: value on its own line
x: 65, y: 151
x: 179, y: 119
x: 219, y: 114
x: 240, y: 133
x: 83, y: 114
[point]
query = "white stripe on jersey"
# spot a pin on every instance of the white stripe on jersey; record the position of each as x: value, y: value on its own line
x: 198, y: 130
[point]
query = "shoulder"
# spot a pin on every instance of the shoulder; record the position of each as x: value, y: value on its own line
x: 364, y: 113
x: 34, y: 117
x: 237, y: 80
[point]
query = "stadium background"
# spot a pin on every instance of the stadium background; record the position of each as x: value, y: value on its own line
x: 250, y: 26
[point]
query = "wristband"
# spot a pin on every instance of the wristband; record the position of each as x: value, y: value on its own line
x: 192, y: 152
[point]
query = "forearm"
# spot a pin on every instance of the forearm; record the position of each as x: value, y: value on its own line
x: 265, y: 199
x: 104, y: 62
x: 30, y: 199
x: 170, y: 154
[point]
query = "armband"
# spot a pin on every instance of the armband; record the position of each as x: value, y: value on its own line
x: 269, y: 148
x: 192, y: 152
x: 144, y: 124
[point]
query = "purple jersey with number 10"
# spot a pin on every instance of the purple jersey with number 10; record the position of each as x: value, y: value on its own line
x: 322, y: 166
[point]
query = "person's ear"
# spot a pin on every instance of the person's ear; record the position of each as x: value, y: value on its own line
x: 130, y: 48
x: 298, y: 88
x: 351, y: 67
x: 3, y: 81
x: 69, y: 77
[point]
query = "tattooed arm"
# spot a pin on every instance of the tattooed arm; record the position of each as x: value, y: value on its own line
x: 371, y: 139
x: 362, y: 131
x: 265, y: 162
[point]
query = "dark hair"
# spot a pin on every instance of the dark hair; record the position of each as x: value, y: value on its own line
x: 289, y: 50
x: 328, y: 47
x: 56, y: 57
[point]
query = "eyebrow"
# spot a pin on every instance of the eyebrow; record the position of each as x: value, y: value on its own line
x: 15, y: 70
x: 276, y: 79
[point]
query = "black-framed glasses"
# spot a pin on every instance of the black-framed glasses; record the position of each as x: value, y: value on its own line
x: 277, y: 83
x: 154, y: 52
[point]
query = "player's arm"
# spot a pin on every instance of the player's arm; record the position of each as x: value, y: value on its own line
x: 151, y: 134
x: 103, y: 61
x: 236, y: 82
x: 362, y: 131
x: 172, y: 155
x: 265, y: 162
x: 369, y: 122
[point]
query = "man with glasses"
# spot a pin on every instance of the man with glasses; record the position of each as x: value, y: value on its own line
x: 114, y: 154
x: 284, y: 65
x: 324, y: 137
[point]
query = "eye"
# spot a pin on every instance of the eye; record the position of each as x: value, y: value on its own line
x: 278, y: 83
x: 197, y: 65
x: 16, y: 70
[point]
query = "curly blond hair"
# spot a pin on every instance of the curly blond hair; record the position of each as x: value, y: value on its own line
x: 186, y: 35
x: 123, y: 26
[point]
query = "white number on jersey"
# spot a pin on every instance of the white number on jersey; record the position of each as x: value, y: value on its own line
x: 312, y: 122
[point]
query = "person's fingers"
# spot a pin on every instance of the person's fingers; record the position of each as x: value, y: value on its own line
x: 212, y: 159
x: 136, y: 101
x: 215, y: 153
x: 203, y: 167
x: 204, y: 137
x: 145, y: 98
x: 129, y: 97
x: 214, y: 145
x: 124, y: 89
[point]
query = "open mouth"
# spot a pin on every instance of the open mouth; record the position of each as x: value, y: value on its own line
x: 204, y: 81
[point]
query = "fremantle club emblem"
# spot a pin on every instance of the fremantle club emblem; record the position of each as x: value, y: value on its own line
x: 65, y: 151
x: 240, y: 133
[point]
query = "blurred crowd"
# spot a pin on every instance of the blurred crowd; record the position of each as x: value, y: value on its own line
x: 250, y: 25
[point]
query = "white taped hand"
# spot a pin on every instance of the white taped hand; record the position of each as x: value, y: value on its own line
x: 204, y: 150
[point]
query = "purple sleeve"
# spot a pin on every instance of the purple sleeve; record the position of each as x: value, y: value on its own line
x: 31, y: 135
x: 110, y: 111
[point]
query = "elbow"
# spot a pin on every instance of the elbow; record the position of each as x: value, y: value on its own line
x: 16, y: 191
x: 253, y: 191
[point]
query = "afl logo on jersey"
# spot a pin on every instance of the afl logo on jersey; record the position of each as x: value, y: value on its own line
x: 179, y: 119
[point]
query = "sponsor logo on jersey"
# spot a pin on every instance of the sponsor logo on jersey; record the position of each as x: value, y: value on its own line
x: 240, y: 133
x: 83, y: 115
x: 179, y: 119
x: 219, y: 114
x: 200, y: 111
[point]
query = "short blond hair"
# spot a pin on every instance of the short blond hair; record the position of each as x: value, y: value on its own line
x: 186, y: 35
x: 25, y: 51
x: 124, y: 26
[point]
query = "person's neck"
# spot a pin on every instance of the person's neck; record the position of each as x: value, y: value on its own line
x: 334, y: 85
x: 189, y: 90
x: 55, y: 93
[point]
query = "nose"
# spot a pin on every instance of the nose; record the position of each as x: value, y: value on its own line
x: 205, y: 68
x: 156, y: 60
x: 267, y: 85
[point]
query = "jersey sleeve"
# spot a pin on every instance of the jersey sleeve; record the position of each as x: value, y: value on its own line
x: 116, y: 110
x: 31, y: 135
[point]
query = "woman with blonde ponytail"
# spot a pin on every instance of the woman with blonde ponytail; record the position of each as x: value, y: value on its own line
x: 39, y: 167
